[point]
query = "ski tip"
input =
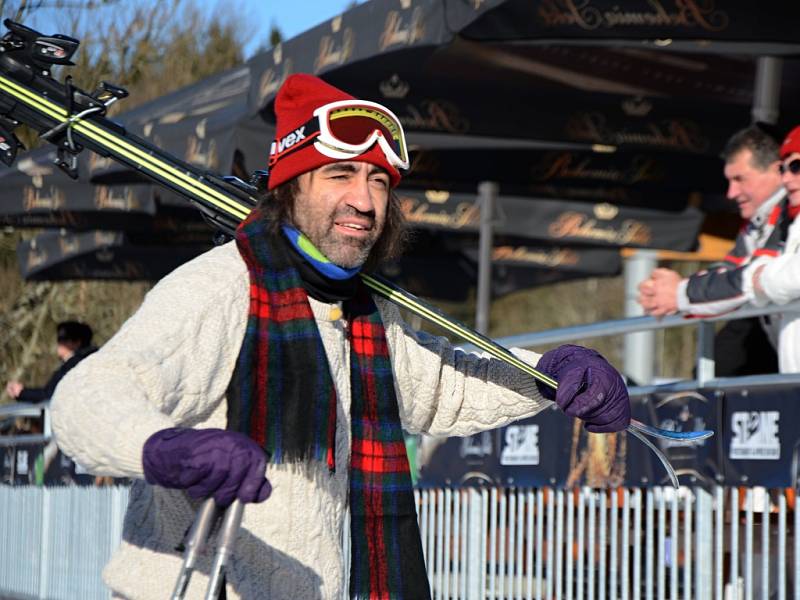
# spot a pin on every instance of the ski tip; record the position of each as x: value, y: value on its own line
x: 674, y: 436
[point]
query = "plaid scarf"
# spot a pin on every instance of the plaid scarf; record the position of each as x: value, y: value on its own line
x: 283, y: 396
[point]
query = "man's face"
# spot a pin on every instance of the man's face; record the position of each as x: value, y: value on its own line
x: 748, y: 185
x: 65, y: 350
x: 341, y: 208
x: 791, y: 181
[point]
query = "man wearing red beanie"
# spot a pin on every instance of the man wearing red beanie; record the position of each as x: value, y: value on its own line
x: 265, y: 369
x: 777, y: 280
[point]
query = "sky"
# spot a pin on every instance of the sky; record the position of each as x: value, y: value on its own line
x: 296, y: 16
x: 291, y: 16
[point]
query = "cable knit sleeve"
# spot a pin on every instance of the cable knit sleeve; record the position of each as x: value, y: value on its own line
x: 168, y: 365
x: 443, y: 391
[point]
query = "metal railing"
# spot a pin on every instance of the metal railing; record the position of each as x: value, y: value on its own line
x: 9, y: 412
x: 636, y: 324
x: 705, y: 325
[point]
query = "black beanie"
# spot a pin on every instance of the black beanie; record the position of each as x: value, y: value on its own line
x: 73, y: 331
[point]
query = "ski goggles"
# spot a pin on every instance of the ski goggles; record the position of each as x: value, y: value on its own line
x: 346, y: 129
x: 793, y: 167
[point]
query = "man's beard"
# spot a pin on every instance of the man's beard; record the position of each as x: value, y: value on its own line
x: 345, y: 251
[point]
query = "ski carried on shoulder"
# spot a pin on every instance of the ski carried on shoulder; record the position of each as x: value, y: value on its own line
x: 73, y: 120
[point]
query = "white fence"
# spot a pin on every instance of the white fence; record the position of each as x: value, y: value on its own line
x: 623, y: 544
x: 54, y: 541
x: 586, y: 544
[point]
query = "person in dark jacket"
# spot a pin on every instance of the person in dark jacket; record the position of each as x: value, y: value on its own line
x: 73, y: 344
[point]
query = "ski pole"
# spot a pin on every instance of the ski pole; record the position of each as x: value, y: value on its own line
x: 195, y: 542
x: 227, y: 540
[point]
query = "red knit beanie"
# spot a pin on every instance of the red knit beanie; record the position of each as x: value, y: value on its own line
x: 791, y: 143
x: 297, y: 99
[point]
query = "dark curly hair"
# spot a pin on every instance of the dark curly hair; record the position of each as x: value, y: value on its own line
x: 74, y: 334
x: 278, y: 207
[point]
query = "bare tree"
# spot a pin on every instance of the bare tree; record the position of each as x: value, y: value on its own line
x: 150, y: 49
x: 21, y: 9
x: 275, y: 35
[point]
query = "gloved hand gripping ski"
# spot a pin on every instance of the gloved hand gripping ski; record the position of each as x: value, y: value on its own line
x: 589, y: 388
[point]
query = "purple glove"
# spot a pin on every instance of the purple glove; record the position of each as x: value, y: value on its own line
x: 588, y: 388
x: 207, y: 462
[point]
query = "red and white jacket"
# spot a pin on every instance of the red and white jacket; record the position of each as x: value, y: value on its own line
x: 720, y: 288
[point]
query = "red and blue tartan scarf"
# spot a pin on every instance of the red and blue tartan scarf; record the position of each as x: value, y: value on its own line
x: 283, y: 397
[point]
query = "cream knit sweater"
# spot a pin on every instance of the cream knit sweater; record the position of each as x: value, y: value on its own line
x: 170, y: 364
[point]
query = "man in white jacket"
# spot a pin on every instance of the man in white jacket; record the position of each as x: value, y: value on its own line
x: 778, y: 279
x: 265, y: 369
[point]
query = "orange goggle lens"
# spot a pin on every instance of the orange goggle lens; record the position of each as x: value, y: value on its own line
x: 355, y: 124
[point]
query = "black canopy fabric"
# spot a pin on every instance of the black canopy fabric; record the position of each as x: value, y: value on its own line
x: 443, y: 264
x: 207, y: 124
x: 451, y: 276
x: 610, y: 111
x: 696, y: 23
x: 652, y: 180
x: 110, y: 255
x: 35, y: 193
x: 485, y: 93
x: 584, y: 261
x: 600, y: 224
x: 661, y: 82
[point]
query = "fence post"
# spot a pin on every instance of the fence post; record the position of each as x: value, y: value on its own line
x: 767, y: 92
x: 704, y: 566
x: 476, y: 539
x: 44, y: 537
x: 639, y: 347
x: 487, y: 196
x: 705, y: 352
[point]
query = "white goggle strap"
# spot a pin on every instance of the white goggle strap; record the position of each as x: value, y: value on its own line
x: 334, y: 151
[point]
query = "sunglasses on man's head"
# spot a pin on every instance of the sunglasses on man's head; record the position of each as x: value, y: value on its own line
x: 793, y: 167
